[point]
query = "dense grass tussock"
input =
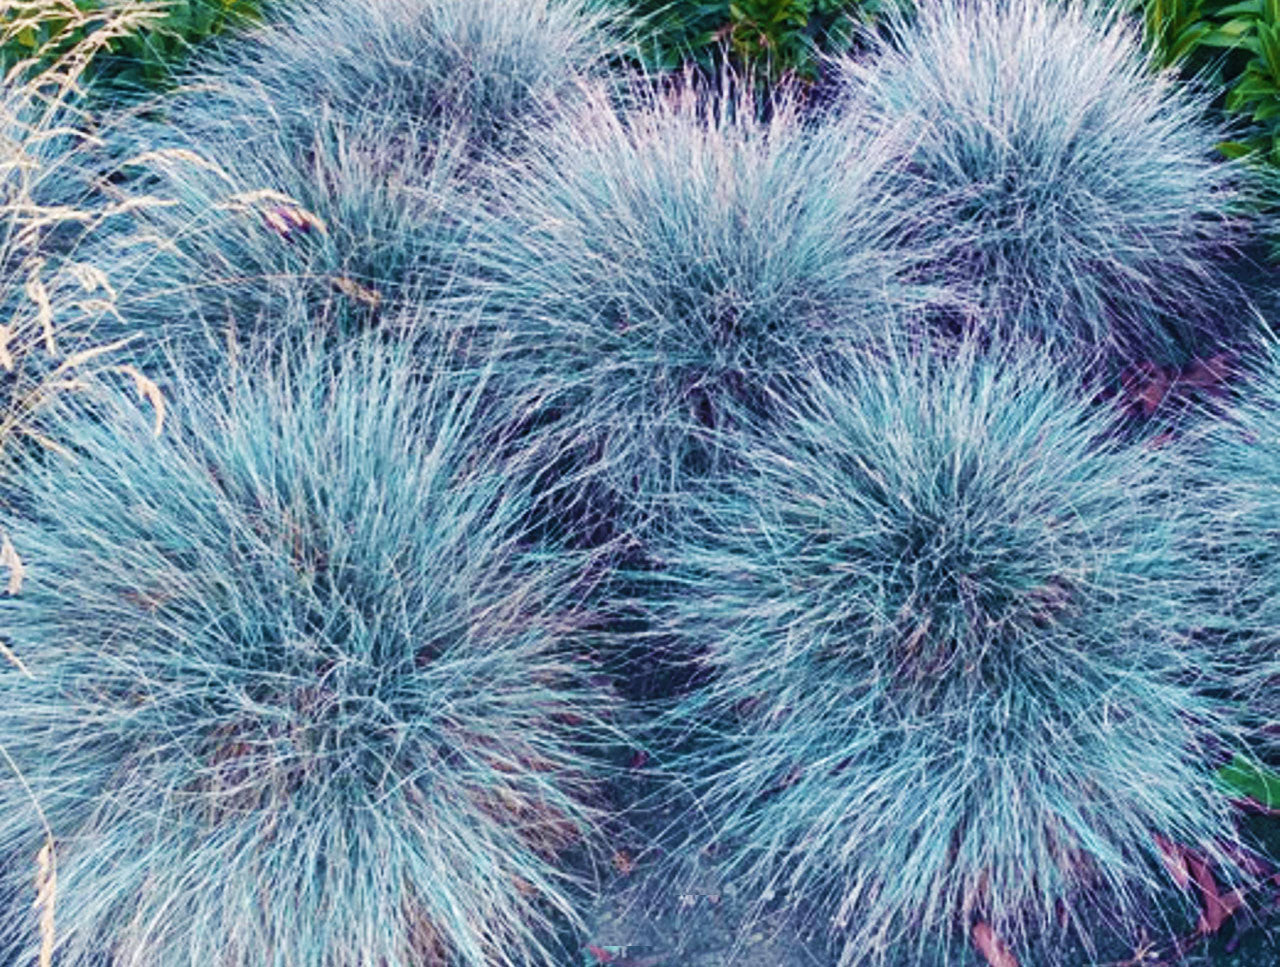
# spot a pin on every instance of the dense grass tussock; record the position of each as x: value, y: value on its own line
x: 242, y: 238
x: 1087, y: 204
x: 941, y: 614
x: 654, y: 268
x: 492, y: 69
x: 304, y: 697
x: 1231, y: 470
x: 325, y: 158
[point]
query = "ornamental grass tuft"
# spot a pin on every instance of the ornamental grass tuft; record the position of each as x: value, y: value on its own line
x: 492, y: 69
x: 1087, y: 205
x: 239, y: 242
x: 654, y: 268
x: 1231, y: 472
x: 329, y: 158
x: 949, y: 679
x: 304, y: 694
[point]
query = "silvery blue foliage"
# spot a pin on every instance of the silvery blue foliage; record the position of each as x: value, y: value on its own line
x: 330, y: 157
x: 304, y: 695
x: 943, y: 616
x: 493, y: 69
x: 1087, y: 206
x: 1230, y: 471
x: 216, y: 243
x: 655, y: 268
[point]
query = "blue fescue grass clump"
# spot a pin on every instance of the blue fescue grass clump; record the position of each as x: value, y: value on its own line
x: 942, y: 615
x: 303, y: 693
x: 493, y: 69
x: 1231, y: 472
x: 329, y: 158
x: 1087, y: 206
x: 654, y: 267
x: 339, y: 232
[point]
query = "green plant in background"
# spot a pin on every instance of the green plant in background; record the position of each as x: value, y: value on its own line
x: 766, y: 39
x: 1245, y: 779
x: 774, y: 34
x: 1235, y: 45
x: 1235, y: 48
x: 43, y: 32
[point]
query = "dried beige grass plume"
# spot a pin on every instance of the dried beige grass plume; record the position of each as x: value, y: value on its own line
x: 148, y: 390
x: 39, y: 106
x: 46, y: 895
x: 9, y: 558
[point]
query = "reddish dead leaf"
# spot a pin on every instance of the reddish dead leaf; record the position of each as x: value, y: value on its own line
x: 638, y: 759
x: 524, y: 887
x: 1250, y: 805
x: 1217, y: 908
x: 1145, y: 387
x: 601, y: 955
x: 1252, y: 864
x: 1210, y: 374
x: 1175, y: 861
x: 1187, y: 869
x: 992, y: 947
x: 622, y: 862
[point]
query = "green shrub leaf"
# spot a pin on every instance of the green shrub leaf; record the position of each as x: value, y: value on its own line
x: 1252, y: 781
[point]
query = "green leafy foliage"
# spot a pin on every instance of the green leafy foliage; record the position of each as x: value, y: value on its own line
x: 1241, y: 777
x: 766, y: 39
x: 45, y: 31
x: 1234, y: 45
x: 1174, y: 28
x: 1235, y: 48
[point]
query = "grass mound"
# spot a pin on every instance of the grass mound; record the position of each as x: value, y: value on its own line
x: 1085, y: 205
x: 305, y: 695
x: 942, y: 616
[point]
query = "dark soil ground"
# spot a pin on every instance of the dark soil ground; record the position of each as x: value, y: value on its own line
x: 702, y: 921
